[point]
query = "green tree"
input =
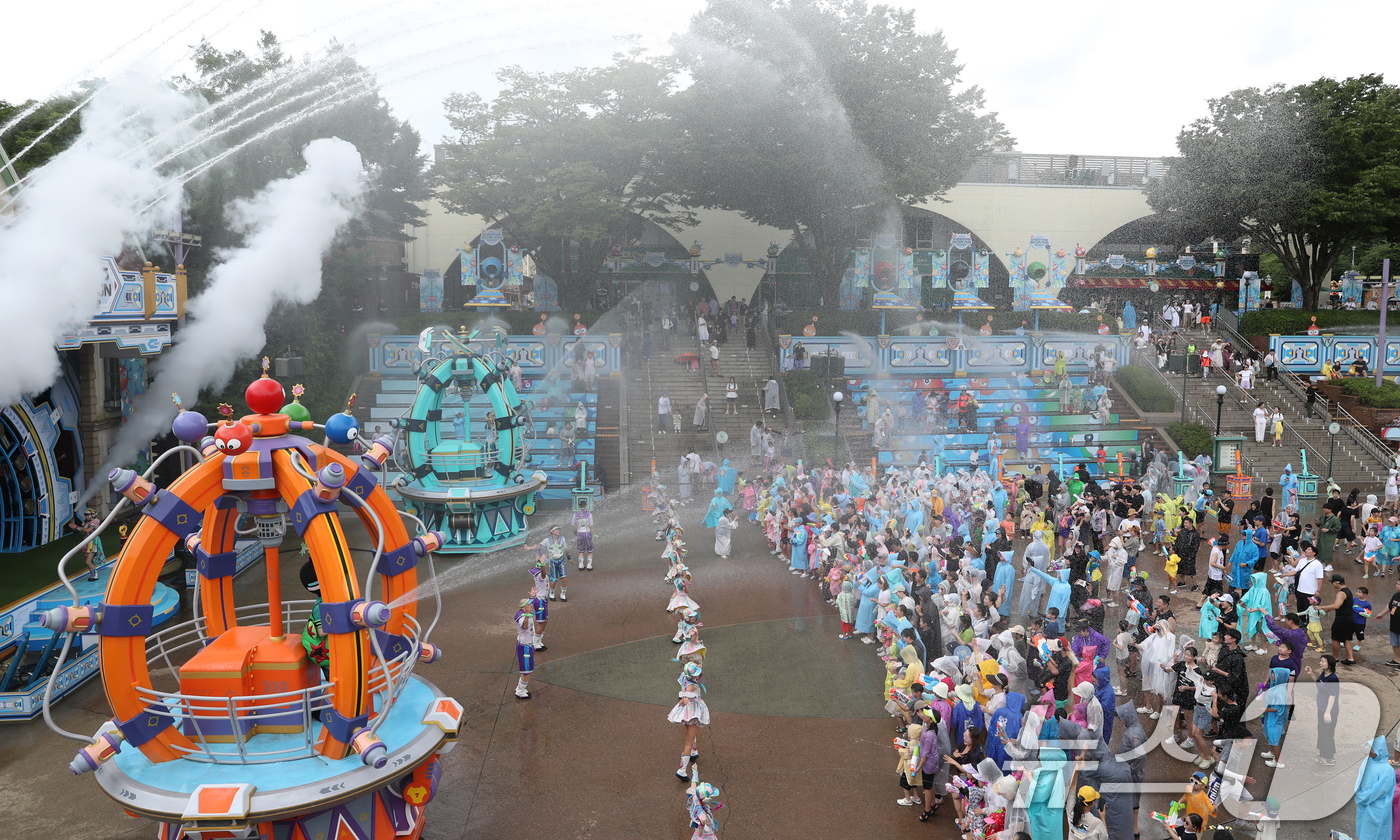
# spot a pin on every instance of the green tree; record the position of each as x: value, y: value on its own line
x: 1370, y: 258
x: 1304, y: 171
x: 821, y: 117
x: 561, y: 159
x: 42, y: 126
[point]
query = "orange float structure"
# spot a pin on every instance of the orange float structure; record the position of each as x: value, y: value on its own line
x: 223, y: 726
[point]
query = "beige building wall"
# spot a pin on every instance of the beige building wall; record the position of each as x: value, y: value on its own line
x: 436, y: 241
x: 1006, y: 216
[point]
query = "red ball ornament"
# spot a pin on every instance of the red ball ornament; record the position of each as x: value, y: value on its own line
x: 265, y: 396
x: 233, y: 438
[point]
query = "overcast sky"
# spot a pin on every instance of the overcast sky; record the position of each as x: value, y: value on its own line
x: 1085, y: 77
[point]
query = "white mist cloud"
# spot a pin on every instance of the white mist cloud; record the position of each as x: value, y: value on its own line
x: 76, y: 209
x: 287, y: 228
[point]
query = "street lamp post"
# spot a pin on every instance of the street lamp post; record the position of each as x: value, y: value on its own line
x: 836, y: 398
x: 1185, y: 372
x: 1332, y: 429
x: 1219, y: 404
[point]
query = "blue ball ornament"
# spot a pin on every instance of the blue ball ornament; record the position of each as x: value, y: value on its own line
x: 342, y: 428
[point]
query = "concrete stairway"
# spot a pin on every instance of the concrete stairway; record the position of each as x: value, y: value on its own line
x: 646, y: 382
x: 1351, y: 466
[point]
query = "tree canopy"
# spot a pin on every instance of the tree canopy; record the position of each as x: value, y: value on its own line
x: 1303, y: 171
x: 565, y: 157
x: 816, y: 116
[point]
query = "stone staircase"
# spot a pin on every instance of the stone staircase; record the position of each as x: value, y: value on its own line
x: 1351, y: 465
x: 661, y: 374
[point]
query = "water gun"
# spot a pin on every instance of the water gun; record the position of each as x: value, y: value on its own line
x: 900, y: 697
x: 1170, y: 817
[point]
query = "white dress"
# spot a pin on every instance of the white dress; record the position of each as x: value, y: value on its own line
x: 690, y: 708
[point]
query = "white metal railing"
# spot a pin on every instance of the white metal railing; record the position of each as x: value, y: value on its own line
x: 1323, y: 408
x: 209, y: 719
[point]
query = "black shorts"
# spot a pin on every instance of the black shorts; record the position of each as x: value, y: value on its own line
x: 927, y: 784
x: 1342, y: 631
x: 1213, y: 586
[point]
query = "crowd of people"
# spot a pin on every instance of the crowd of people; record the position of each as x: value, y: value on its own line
x: 1009, y: 669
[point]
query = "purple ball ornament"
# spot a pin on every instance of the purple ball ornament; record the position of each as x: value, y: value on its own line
x: 190, y: 426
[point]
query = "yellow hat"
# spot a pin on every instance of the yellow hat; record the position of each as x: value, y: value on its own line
x: 1088, y: 794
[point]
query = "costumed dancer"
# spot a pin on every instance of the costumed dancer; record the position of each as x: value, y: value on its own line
x: 682, y: 597
x: 691, y: 712
x: 702, y: 800
x: 525, y: 645
x: 539, y: 597
x: 583, y: 529
x: 93, y: 554
x: 555, y: 552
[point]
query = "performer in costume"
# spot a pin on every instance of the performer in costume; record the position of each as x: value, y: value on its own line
x: 313, y: 637
x: 539, y: 597
x: 689, y: 616
x: 583, y: 529
x: 555, y: 552
x: 93, y: 553
x: 702, y: 800
x: 525, y: 645
x: 691, y: 712
x: 692, y: 648
x: 681, y: 598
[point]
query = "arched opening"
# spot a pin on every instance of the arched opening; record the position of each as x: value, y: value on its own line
x: 19, y: 492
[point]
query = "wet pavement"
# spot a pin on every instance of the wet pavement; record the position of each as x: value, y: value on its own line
x: 799, y: 743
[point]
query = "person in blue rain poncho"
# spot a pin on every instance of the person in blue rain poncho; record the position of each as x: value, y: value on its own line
x: 1242, y: 561
x: 719, y: 505
x: 799, y: 547
x: 1037, y: 556
x: 1210, y: 616
x: 1004, y: 581
x: 999, y: 498
x: 1059, y: 589
x: 1107, y: 699
x: 1005, y: 721
x: 1375, y: 787
x: 726, y: 476
x: 1259, y: 603
x: 1046, y: 799
x: 894, y: 573
x: 1129, y: 317
x: 913, y: 516
x: 869, y: 591
x: 1276, y: 714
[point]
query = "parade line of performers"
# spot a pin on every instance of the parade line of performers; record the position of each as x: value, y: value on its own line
x: 690, y: 711
x: 1006, y: 700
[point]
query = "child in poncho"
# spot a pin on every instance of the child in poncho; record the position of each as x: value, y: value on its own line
x: 846, y: 604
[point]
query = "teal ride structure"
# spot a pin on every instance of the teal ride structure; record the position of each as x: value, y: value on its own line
x: 477, y: 491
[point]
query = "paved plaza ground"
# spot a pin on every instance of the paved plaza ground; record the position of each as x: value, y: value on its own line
x: 799, y: 743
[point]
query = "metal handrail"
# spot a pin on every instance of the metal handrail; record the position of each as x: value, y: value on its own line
x: 1354, y: 428
x: 195, y: 711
